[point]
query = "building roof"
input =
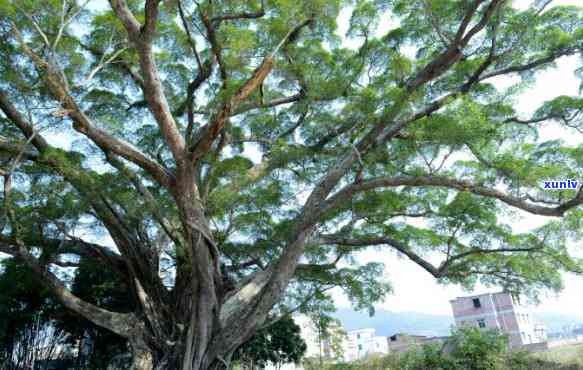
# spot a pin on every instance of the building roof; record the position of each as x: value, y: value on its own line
x: 479, y: 295
x: 409, y: 335
x: 362, y: 329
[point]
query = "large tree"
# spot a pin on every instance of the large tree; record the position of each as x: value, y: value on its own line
x: 239, y: 153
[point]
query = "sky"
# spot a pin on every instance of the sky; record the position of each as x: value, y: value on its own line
x: 414, y: 289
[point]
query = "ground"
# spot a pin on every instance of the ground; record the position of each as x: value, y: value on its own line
x: 567, y: 355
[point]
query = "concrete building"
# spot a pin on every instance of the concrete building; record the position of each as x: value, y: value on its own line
x: 364, y: 342
x: 402, y: 342
x: 499, y: 311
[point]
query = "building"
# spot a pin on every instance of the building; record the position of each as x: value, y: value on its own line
x: 364, y: 342
x: 402, y: 342
x: 499, y: 311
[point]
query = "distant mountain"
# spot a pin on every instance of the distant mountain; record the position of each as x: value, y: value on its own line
x: 388, y: 323
x: 555, y: 322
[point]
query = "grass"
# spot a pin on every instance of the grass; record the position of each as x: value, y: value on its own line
x: 567, y: 355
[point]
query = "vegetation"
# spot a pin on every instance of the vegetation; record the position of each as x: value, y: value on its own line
x: 568, y: 355
x: 25, y: 314
x: 227, y: 160
x: 278, y: 344
x: 35, y: 327
x: 467, y: 349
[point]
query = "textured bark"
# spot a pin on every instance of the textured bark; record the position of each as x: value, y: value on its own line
x: 204, y: 318
x: 142, y: 356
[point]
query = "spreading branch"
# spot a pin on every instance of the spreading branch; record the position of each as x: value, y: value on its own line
x: 153, y: 91
x: 348, y: 192
x: 218, y: 121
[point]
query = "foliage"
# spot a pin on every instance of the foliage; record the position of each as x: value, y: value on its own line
x: 330, y: 336
x: 239, y: 156
x: 476, y: 349
x: 97, y: 285
x: 470, y: 349
x: 26, y: 318
x: 33, y: 323
x: 278, y: 344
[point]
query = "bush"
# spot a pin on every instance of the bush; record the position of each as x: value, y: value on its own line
x: 526, y: 361
x: 474, y: 349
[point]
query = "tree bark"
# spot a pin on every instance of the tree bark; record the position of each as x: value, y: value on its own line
x: 202, y: 321
x: 142, y: 356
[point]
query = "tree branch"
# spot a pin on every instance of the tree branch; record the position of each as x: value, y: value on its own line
x: 347, y: 192
x: 210, y: 132
x: 82, y: 123
x: 153, y: 90
x: 397, y: 245
x: 244, y: 15
x: 445, y: 265
x: 120, y: 323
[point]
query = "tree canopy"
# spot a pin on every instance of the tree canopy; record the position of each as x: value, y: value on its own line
x: 229, y: 159
x: 278, y: 344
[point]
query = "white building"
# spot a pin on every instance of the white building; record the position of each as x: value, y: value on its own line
x: 364, y: 342
x: 349, y: 346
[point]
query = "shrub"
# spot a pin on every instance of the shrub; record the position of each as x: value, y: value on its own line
x: 475, y: 349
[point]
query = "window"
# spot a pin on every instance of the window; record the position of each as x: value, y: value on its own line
x: 394, y: 338
x: 360, y: 347
x: 481, y: 323
x: 358, y: 336
x: 477, y: 303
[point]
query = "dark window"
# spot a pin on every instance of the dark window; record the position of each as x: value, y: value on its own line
x: 358, y: 336
x: 477, y: 303
x: 482, y: 323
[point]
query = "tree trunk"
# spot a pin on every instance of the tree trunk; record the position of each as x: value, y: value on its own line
x: 143, y: 358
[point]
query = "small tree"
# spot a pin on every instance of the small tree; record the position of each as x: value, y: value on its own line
x: 27, y: 327
x: 331, y: 336
x: 475, y: 349
x: 279, y: 343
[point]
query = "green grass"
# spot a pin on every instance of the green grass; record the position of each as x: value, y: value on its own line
x: 567, y: 355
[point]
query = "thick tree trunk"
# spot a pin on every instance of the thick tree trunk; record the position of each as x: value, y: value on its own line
x: 144, y: 358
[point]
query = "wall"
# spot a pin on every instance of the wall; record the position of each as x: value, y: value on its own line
x: 499, y: 311
x: 404, y: 342
x: 536, y: 347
